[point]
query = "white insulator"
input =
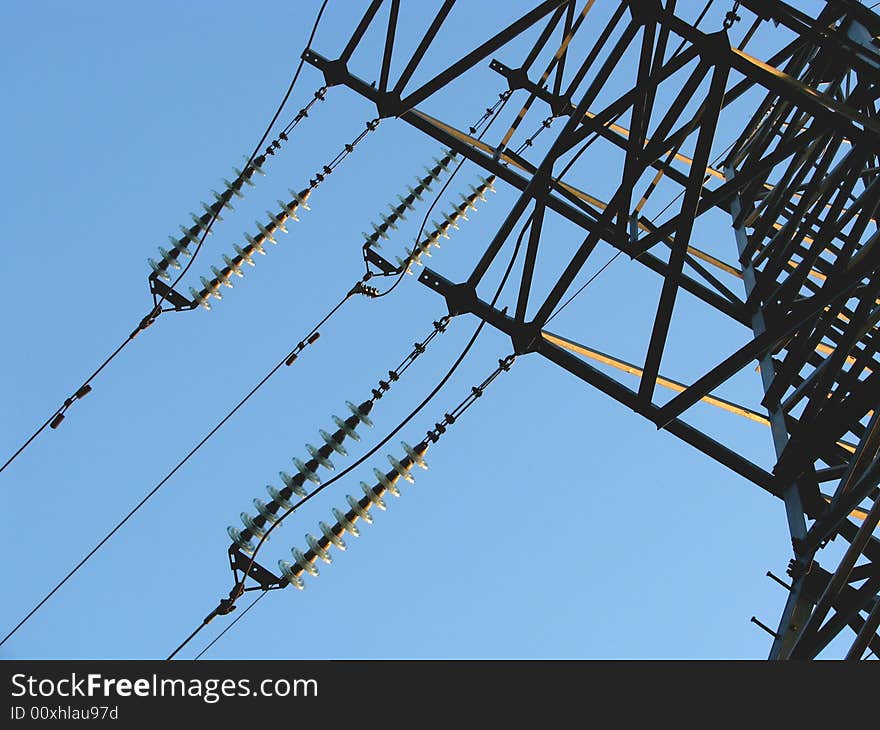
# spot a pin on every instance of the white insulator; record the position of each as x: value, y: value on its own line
x: 347, y: 524
x: 320, y: 458
x: 425, y: 248
x: 300, y: 199
x: 257, y: 245
x: 442, y: 164
x: 406, y: 264
x: 488, y: 182
x: 400, y: 469
x: 235, y: 535
x: 210, y: 211
x: 440, y: 229
x: 358, y: 510
x: 233, y: 267
x: 388, y: 221
x: 188, y: 235
x: 316, y: 548
x: 372, y: 496
x: 253, y: 165
x: 292, y: 578
x: 480, y: 193
x: 417, y: 458
x: 267, y: 234
x: 278, y: 220
x: 452, y: 220
x: 332, y: 442
x: 291, y: 483
x: 199, y: 298
x: 240, y: 175
x: 349, y: 431
x: 264, y: 510
x: 160, y: 272
x: 289, y: 209
x: 211, y: 287
x: 301, y: 561
x: 395, y: 214
x: 386, y: 482
x: 379, y: 232
x: 370, y: 241
x: 248, y: 522
x: 245, y: 256
x: 221, y: 277
x: 415, y: 193
x: 231, y: 187
x: 223, y: 200
x: 468, y: 203
x: 278, y: 499
x: 202, y: 226
x: 362, y: 417
x: 331, y: 536
x: 181, y: 246
x: 168, y: 258
x: 307, y: 472
x: 431, y: 175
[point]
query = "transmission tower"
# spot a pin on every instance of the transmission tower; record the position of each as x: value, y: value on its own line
x: 795, y: 197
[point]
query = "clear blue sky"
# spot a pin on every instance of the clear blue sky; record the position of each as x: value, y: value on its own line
x: 552, y: 523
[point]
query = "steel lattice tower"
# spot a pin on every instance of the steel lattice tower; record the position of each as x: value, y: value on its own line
x: 795, y: 196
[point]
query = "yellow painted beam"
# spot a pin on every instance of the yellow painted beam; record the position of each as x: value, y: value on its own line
x: 627, y: 367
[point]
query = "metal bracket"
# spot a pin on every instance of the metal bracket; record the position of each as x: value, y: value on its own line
x: 336, y: 72
x: 241, y: 563
x: 379, y: 261
x: 463, y: 299
x: 518, y: 79
x: 175, y: 298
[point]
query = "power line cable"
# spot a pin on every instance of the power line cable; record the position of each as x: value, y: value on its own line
x: 309, y: 339
x: 490, y: 115
x: 227, y: 605
x: 237, y: 619
x: 359, y: 288
x: 55, y: 419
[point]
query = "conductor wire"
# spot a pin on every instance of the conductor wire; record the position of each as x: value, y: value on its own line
x: 57, y: 416
x: 299, y: 347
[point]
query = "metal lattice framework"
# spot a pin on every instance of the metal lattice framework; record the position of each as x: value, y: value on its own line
x: 797, y: 191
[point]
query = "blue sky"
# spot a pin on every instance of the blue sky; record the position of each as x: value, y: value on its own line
x: 553, y: 522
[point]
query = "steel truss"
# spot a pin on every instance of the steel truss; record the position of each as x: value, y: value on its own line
x: 800, y: 188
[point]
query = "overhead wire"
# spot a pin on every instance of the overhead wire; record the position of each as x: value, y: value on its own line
x: 489, y: 116
x: 301, y: 345
x: 264, y: 537
x: 666, y: 207
x: 58, y: 415
x: 494, y: 112
x: 238, y: 589
x: 228, y: 627
x: 359, y: 288
x: 259, y: 144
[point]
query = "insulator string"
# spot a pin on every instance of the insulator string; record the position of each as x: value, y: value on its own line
x: 489, y: 116
x: 267, y: 231
x: 308, y: 471
x: 228, y: 604
x: 55, y: 419
x: 289, y: 359
x: 386, y: 482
